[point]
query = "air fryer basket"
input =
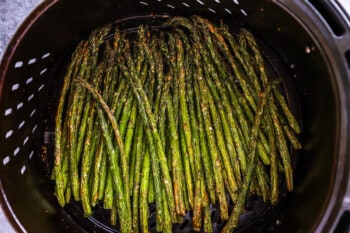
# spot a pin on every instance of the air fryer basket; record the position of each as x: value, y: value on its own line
x: 305, y: 39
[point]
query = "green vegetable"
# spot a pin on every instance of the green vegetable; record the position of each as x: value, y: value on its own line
x: 163, y: 119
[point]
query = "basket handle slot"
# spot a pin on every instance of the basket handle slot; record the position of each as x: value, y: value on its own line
x: 330, y: 16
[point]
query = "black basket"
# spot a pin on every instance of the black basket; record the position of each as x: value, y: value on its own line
x: 304, y: 41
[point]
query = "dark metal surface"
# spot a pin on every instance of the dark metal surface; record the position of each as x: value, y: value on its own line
x: 316, y: 58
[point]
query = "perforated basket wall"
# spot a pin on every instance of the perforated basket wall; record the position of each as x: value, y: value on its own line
x: 298, y: 37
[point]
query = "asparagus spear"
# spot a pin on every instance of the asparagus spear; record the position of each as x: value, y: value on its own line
x: 87, y: 157
x: 137, y: 175
x: 190, y: 96
x: 146, y: 168
x: 239, y: 206
x: 123, y: 200
x: 89, y: 63
x: 282, y: 102
x: 156, y: 149
x: 59, y: 175
x: 216, y: 163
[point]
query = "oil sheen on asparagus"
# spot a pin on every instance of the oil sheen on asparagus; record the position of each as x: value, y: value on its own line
x: 184, y: 116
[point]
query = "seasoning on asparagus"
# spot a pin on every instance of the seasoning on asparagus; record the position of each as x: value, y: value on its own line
x: 163, y: 119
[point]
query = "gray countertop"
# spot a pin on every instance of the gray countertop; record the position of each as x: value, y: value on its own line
x: 12, y: 14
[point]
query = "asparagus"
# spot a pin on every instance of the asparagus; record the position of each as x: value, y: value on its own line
x: 273, y: 166
x: 184, y: 119
x: 172, y: 91
x: 199, y: 181
x: 281, y: 100
x: 217, y: 128
x: 123, y: 202
x: 182, y: 138
x: 102, y: 174
x: 156, y: 150
x: 89, y: 63
x: 87, y: 157
x: 239, y: 205
x: 136, y: 183
x: 114, y: 215
x: 123, y: 205
x: 200, y: 147
x: 59, y: 139
x: 283, y: 148
x: 146, y: 168
x: 176, y: 158
x: 262, y: 146
x: 108, y: 199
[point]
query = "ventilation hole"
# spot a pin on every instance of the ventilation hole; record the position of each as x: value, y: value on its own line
x: 6, y: 160
x: 31, y: 155
x: 32, y: 61
x: 32, y: 113
x: 43, y: 71
x: 8, y: 111
x: 16, y: 151
x: 20, y: 105
x: 329, y: 16
x: 21, y: 125
x: 45, y: 55
x: 29, y: 80
x: 152, y: 225
x: 185, y: 4
x: 228, y: 11
x: 41, y: 87
x: 244, y: 12
x: 144, y: 3
x: 23, y: 169
x: 9, y: 134
x: 343, y: 224
x: 184, y: 224
x: 200, y: 2
x: 171, y: 6
x: 18, y: 64
x: 213, y: 215
x: 236, y: 2
x: 212, y: 10
x: 219, y: 222
x: 152, y: 209
x: 347, y: 57
x: 30, y: 97
x: 34, y: 128
x: 15, y: 87
x: 25, y: 140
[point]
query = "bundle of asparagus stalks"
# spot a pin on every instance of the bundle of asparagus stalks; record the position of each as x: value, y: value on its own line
x: 183, y: 116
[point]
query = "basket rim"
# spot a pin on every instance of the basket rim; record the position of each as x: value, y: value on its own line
x: 5, y: 60
x: 6, y: 212
x: 20, y: 32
